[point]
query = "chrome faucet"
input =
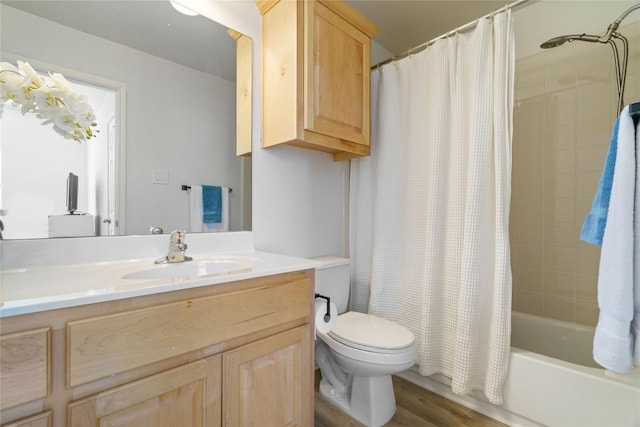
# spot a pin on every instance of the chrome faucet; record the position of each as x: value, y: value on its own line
x: 155, y: 230
x: 177, y: 247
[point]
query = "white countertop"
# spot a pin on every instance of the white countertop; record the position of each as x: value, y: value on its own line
x: 35, y: 288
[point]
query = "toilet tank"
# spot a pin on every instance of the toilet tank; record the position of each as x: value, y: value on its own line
x: 333, y: 279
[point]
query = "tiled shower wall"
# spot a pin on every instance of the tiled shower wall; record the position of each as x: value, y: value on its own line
x: 565, y: 106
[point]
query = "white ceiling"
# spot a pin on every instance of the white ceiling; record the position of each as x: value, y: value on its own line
x: 155, y: 27
x: 150, y: 26
x: 408, y: 23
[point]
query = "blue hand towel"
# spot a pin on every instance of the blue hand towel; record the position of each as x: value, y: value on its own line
x: 596, y: 220
x: 211, y: 204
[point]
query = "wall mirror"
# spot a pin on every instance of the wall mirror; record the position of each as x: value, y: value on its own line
x: 174, y: 79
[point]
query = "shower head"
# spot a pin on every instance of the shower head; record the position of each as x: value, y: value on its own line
x: 560, y: 40
x: 611, y: 32
x: 555, y: 42
x: 610, y: 37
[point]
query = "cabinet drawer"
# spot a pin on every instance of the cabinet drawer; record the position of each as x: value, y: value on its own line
x: 24, y: 367
x: 107, y: 345
x: 40, y: 420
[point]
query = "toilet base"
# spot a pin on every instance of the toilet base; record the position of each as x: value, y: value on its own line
x: 370, y: 400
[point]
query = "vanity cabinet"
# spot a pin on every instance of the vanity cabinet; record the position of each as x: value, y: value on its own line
x: 230, y: 354
x: 316, y: 76
x: 25, y: 361
x: 267, y: 380
x: 185, y: 396
x: 39, y: 420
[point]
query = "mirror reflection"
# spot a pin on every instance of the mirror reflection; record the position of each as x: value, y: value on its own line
x: 162, y: 85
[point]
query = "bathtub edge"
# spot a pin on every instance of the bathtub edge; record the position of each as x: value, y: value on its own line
x: 473, y: 401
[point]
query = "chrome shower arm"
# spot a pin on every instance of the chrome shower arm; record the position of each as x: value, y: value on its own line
x: 609, y: 37
x: 614, y: 26
x: 626, y: 12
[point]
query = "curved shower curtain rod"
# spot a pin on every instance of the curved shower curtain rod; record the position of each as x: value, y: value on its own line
x: 464, y: 27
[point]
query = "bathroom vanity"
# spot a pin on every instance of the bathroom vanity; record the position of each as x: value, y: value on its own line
x: 229, y: 348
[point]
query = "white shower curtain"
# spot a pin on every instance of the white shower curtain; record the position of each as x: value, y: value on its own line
x: 429, y: 209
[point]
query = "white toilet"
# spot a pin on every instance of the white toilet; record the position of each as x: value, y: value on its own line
x: 359, y: 355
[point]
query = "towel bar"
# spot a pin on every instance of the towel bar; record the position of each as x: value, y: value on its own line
x: 188, y: 187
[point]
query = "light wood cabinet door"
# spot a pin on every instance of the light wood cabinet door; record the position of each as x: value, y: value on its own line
x: 316, y: 76
x: 25, y: 362
x: 244, y: 75
x: 187, y: 396
x: 337, y: 56
x: 269, y: 382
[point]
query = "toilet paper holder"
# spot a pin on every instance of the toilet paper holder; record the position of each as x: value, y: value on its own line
x: 328, y: 315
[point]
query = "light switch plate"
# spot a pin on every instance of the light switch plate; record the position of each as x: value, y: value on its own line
x: 160, y: 176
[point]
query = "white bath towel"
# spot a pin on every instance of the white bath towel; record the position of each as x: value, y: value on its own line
x: 195, y: 211
x: 613, y: 345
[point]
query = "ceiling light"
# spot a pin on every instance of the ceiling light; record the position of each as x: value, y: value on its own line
x: 182, y: 9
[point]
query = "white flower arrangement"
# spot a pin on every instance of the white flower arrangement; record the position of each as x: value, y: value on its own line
x: 56, y: 103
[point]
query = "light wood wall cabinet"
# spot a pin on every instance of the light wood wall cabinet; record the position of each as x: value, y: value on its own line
x: 316, y: 76
x: 244, y: 90
x: 233, y: 354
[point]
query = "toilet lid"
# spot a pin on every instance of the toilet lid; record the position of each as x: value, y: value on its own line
x: 365, y: 330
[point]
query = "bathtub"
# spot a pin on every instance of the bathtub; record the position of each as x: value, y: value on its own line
x: 552, y: 381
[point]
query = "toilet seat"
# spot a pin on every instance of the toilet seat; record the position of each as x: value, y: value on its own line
x: 365, y: 338
x: 371, y: 333
x: 369, y: 349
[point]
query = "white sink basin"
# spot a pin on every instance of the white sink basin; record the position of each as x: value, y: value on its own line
x: 188, y: 269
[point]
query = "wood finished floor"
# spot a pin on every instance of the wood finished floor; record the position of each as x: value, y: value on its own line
x: 415, y: 407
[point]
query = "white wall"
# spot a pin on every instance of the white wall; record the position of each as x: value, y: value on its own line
x: 167, y: 106
x: 27, y: 153
x: 299, y: 195
x: 379, y: 53
x: 35, y: 165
